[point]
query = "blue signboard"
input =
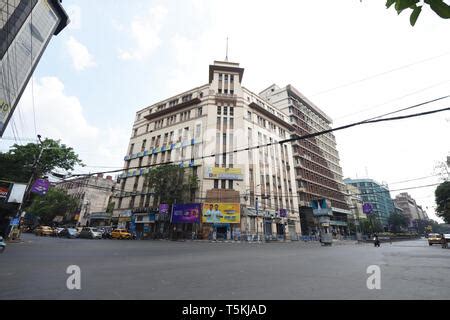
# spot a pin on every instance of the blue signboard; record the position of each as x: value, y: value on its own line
x: 14, y: 222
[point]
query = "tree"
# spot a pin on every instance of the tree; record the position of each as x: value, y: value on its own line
x: 55, y: 202
x: 17, y: 164
x: 442, y: 195
x: 171, y: 184
x: 438, y: 6
x: 397, y: 221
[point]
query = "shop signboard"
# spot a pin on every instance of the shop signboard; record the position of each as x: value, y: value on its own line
x: 186, y: 213
x: 215, y: 212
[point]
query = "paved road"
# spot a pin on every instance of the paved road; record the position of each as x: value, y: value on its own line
x: 113, y: 269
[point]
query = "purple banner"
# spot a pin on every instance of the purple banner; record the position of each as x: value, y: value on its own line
x: 40, y: 186
x: 186, y: 213
x: 163, y: 208
x: 283, y: 213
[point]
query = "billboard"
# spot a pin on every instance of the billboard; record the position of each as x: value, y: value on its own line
x: 4, y: 190
x: 321, y: 207
x: 223, y: 173
x: 17, y: 193
x: 22, y: 55
x: 186, y: 213
x: 215, y: 212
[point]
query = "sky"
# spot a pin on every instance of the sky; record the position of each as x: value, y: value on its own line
x: 353, y: 59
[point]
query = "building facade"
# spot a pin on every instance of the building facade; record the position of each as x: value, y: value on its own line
x: 316, y: 160
x: 200, y: 129
x: 26, y: 27
x: 410, y: 209
x: 378, y: 196
x: 94, y: 194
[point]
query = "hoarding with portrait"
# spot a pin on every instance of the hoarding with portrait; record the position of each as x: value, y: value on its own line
x: 186, y: 213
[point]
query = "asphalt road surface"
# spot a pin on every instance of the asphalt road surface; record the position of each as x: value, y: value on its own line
x: 125, y: 269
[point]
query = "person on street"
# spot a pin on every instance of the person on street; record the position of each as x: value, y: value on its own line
x: 376, y: 241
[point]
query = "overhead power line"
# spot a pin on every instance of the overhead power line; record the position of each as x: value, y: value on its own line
x: 378, y: 75
x: 297, y: 138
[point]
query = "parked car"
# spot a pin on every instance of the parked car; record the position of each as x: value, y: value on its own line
x: 90, y: 233
x: 445, y: 240
x: 43, y: 231
x: 434, y: 238
x: 121, y: 234
x: 70, y: 233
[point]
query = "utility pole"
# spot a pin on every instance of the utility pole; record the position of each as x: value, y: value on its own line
x: 257, y: 219
x: 28, y: 188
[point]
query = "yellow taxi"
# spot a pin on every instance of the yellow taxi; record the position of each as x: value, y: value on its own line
x: 120, y: 234
x: 43, y: 231
x: 434, y: 238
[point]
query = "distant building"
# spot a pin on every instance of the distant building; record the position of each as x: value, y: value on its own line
x: 411, y: 209
x: 355, y: 202
x: 378, y: 196
x: 26, y: 27
x: 94, y: 194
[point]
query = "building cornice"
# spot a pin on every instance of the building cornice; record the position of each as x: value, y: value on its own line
x: 271, y: 116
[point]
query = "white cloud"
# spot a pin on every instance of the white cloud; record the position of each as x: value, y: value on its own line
x: 81, y: 58
x: 62, y: 117
x: 74, y: 13
x: 145, y: 31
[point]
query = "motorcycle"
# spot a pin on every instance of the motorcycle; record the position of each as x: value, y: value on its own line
x: 2, y: 245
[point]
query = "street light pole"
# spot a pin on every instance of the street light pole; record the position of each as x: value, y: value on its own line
x: 257, y: 220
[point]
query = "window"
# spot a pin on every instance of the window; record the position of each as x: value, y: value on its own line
x: 199, y: 112
x: 225, y: 111
x: 231, y: 78
x: 249, y: 115
x: 216, y: 184
x: 219, y: 110
x: 231, y: 111
x: 147, y: 127
x: 218, y: 123
x: 230, y: 184
x: 223, y: 184
x: 231, y: 123
x: 131, y: 148
x: 135, y: 132
x: 220, y: 77
x: 143, y: 145
x: 198, y: 130
x: 139, y: 116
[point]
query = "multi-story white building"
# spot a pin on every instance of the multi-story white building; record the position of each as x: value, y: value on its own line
x: 93, y: 194
x: 200, y: 129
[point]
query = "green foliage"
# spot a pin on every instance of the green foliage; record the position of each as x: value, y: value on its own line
x: 17, y: 163
x: 438, y: 6
x: 442, y: 195
x: 55, y: 202
x: 171, y: 184
x: 110, y: 207
x: 370, y: 225
x: 397, y: 221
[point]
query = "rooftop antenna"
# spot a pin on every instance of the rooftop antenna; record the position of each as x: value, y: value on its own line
x: 226, y: 57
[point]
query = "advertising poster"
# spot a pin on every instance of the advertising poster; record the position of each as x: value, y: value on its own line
x: 40, y: 186
x: 283, y: 213
x: 221, y: 212
x: 4, y: 190
x: 163, y: 208
x: 186, y: 213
